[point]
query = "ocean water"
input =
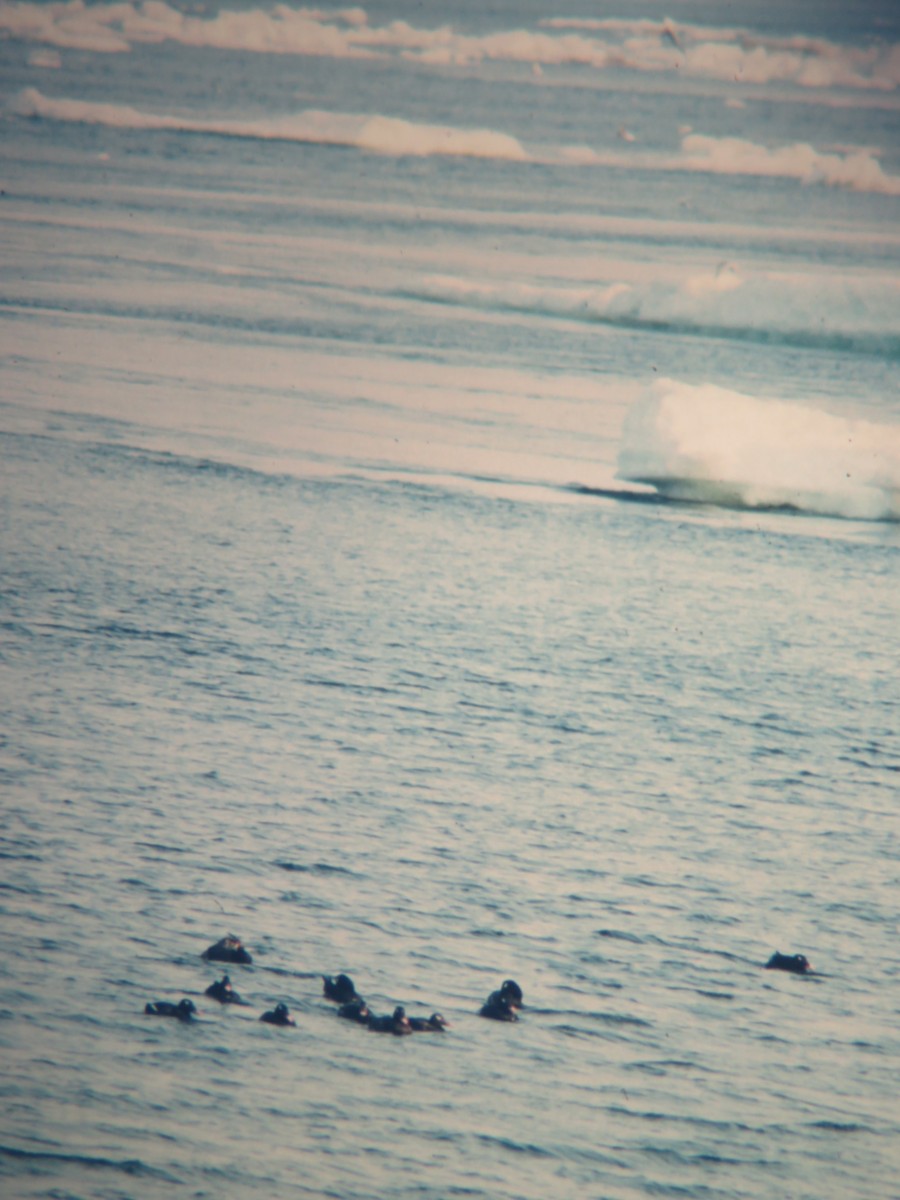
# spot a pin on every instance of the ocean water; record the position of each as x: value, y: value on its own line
x: 451, y: 490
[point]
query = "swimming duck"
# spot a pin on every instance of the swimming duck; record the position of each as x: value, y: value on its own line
x: 357, y: 1010
x: 433, y: 1024
x: 278, y: 1016
x: 498, y: 1008
x: 222, y: 991
x: 227, y: 949
x: 512, y: 993
x: 397, y: 1023
x: 797, y: 964
x: 503, y: 1005
x: 183, y: 1011
x: 339, y: 989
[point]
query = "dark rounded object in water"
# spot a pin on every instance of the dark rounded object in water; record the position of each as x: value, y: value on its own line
x: 797, y: 964
x: 228, y: 949
x: 512, y: 993
x: 340, y: 989
x: 278, y: 1016
x: 397, y: 1023
x: 433, y: 1024
x: 498, y: 1008
x: 222, y: 991
x: 357, y: 1010
x: 182, y: 1011
x: 504, y: 1004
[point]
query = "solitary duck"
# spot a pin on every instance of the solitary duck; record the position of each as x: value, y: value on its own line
x: 503, y: 1005
x: 339, y: 989
x: 797, y: 964
x: 397, y: 1023
x: 433, y: 1024
x: 496, y: 1008
x: 356, y: 1010
x: 228, y: 949
x: 182, y: 1011
x: 278, y: 1016
x: 222, y: 991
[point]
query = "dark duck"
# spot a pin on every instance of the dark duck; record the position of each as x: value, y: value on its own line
x: 228, y: 949
x: 356, y: 1010
x: 397, y: 1023
x: 433, y: 1024
x: 797, y: 964
x: 504, y: 1004
x: 278, y: 1016
x: 182, y: 1011
x: 222, y: 991
x: 340, y: 989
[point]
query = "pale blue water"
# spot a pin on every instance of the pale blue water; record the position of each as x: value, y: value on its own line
x: 335, y: 614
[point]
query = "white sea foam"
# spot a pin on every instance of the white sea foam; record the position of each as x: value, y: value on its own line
x: 381, y: 134
x: 861, y: 313
x: 110, y: 28
x: 712, y: 445
x: 724, y: 54
x: 853, y: 168
x: 737, y: 54
x: 857, y: 169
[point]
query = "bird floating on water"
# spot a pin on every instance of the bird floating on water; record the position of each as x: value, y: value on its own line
x: 278, y: 1016
x: 184, y: 1010
x: 228, y: 949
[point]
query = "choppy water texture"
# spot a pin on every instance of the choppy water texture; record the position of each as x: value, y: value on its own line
x: 450, y: 481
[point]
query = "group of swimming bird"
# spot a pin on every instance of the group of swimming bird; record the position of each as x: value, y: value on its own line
x: 501, y: 1005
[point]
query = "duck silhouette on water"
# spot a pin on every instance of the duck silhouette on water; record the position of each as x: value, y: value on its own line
x: 504, y: 1004
x: 340, y: 989
x: 356, y: 1010
x: 222, y: 991
x: 397, y: 1023
x: 279, y: 1015
x: 228, y: 949
x: 797, y: 964
x: 436, y: 1023
x: 184, y: 1010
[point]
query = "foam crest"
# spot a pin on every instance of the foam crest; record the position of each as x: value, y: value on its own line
x: 857, y: 169
x: 390, y: 135
x: 379, y: 134
x: 111, y: 28
x: 737, y: 54
x: 639, y: 45
x: 710, y: 445
x: 861, y: 315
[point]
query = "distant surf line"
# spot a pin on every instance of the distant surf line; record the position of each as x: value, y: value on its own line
x: 856, y: 169
x: 604, y: 306
x: 660, y: 47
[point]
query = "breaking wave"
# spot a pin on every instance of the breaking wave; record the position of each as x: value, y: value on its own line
x: 711, y: 445
x: 794, y: 310
x: 379, y: 134
x: 725, y: 54
x: 856, y: 169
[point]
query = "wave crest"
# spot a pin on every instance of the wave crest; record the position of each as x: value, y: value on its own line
x: 857, y: 169
x: 379, y: 134
x: 637, y: 45
x: 860, y: 317
x: 711, y: 445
